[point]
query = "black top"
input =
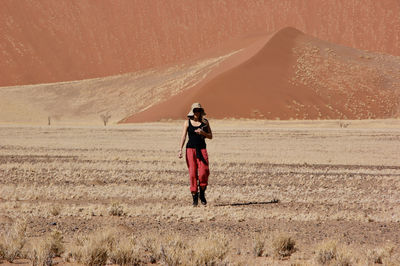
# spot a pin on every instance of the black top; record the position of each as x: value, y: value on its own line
x: 196, y: 141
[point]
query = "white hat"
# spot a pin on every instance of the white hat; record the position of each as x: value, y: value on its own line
x: 196, y: 106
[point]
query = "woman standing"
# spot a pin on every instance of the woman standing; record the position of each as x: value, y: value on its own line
x: 198, y: 129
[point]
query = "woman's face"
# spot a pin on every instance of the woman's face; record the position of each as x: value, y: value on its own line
x: 197, y: 112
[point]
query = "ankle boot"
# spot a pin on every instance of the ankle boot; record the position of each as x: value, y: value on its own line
x: 203, y: 196
x: 195, y: 199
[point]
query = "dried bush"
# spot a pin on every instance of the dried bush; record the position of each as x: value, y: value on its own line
x: 56, y: 243
x: 12, y: 243
x: 151, y: 246
x: 94, y: 249
x: 116, y: 209
x: 173, y: 250
x: 328, y: 253
x: 210, y: 250
x: 105, y: 117
x: 126, y: 252
x: 283, y: 246
x: 55, y: 210
x: 40, y: 253
x: 258, y: 246
x: 381, y: 255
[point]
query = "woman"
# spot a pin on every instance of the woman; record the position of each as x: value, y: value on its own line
x: 198, y: 129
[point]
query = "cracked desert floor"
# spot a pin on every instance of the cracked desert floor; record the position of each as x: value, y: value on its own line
x: 315, y: 181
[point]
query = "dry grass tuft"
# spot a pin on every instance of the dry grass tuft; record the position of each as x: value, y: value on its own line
x: 12, y: 243
x: 55, y: 210
x: 381, y: 255
x: 44, y: 250
x: 174, y: 250
x: 94, y: 249
x: 258, y: 246
x: 40, y: 253
x: 126, y: 252
x: 210, y: 250
x: 151, y: 246
x: 56, y: 243
x: 328, y: 254
x: 116, y: 209
x: 283, y: 246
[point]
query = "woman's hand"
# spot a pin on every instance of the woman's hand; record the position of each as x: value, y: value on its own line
x: 199, y: 131
x: 180, y: 154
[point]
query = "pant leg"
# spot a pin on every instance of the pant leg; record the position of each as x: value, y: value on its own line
x: 204, y: 171
x: 191, y: 162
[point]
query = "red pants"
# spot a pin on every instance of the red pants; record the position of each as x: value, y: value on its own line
x: 198, y: 170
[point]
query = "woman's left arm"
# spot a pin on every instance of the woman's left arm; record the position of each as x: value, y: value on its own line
x: 208, y: 134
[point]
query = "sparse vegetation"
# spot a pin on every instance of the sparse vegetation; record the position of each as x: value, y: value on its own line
x: 258, y: 246
x: 116, y: 209
x: 381, y: 255
x: 329, y: 254
x: 13, y: 242
x: 105, y: 117
x: 55, y: 210
x: 93, y: 249
x: 83, y: 180
x: 283, y: 246
x: 126, y: 252
x: 344, y: 124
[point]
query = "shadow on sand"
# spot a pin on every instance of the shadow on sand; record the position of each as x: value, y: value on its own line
x: 274, y: 201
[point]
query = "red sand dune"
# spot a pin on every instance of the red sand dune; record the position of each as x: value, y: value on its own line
x: 62, y: 40
x: 294, y: 76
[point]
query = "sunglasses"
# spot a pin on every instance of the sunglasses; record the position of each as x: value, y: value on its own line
x: 195, y: 110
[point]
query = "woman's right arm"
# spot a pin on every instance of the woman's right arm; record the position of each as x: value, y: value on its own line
x: 183, y: 138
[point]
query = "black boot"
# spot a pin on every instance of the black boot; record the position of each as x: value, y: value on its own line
x: 195, y: 199
x: 203, y: 196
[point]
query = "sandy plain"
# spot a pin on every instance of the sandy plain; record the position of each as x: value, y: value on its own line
x: 318, y: 182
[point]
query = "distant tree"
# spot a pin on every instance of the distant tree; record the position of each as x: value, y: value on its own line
x: 105, y: 117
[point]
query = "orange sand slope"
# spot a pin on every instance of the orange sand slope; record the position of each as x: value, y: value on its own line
x: 294, y: 76
x: 60, y: 40
x: 84, y: 101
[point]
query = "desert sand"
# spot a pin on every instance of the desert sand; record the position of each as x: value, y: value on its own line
x: 332, y: 190
x: 283, y: 75
x: 52, y: 41
x: 295, y: 76
x: 304, y: 102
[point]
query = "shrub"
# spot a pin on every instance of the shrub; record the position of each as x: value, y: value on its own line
x: 40, y: 253
x: 44, y: 250
x: 116, y: 209
x: 210, y: 250
x: 12, y: 243
x: 173, y: 250
x: 258, y: 246
x: 55, y: 210
x: 283, y: 246
x: 126, y: 252
x: 95, y: 249
x: 56, y: 243
x: 381, y: 255
x: 329, y: 254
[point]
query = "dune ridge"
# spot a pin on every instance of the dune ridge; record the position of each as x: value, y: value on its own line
x: 52, y: 41
x: 294, y: 76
